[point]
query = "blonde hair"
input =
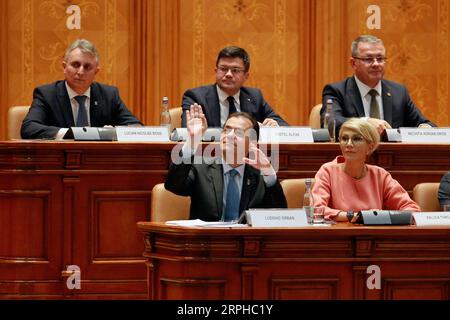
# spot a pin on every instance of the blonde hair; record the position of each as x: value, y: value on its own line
x: 364, y: 128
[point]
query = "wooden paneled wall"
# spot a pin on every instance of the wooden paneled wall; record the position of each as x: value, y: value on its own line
x: 163, y: 47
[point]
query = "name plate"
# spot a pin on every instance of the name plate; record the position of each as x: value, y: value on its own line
x: 142, y: 134
x: 427, y: 135
x: 285, y: 134
x: 438, y: 218
x: 272, y: 218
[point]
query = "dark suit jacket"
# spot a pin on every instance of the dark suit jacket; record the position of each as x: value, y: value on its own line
x: 251, y: 101
x: 399, y: 110
x: 51, y: 110
x: 444, y: 189
x: 204, y: 184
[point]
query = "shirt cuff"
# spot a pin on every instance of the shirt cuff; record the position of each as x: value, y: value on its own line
x: 61, y: 133
x: 270, y: 180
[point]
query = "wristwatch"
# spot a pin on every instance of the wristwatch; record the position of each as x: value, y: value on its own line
x: 350, y: 215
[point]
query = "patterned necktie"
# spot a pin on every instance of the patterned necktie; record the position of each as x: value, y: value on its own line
x: 374, y: 108
x: 82, y: 120
x: 232, y: 106
x: 232, y: 201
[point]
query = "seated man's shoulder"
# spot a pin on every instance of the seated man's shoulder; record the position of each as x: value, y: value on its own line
x: 393, y: 84
x: 342, y: 84
x: 103, y: 86
x: 201, y: 89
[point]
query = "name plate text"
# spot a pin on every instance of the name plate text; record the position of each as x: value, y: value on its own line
x: 439, y: 218
x: 285, y: 134
x: 142, y: 134
x: 427, y: 135
x: 272, y: 218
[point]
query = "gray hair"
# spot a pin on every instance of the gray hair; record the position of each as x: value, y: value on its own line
x: 364, y: 39
x: 85, y: 46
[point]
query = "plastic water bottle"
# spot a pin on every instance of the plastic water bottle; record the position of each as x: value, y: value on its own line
x: 165, y: 120
x: 329, y: 122
x: 308, y: 201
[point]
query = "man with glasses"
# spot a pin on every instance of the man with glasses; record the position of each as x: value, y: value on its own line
x: 228, y: 94
x: 367, y: 95
x: 239, y: 177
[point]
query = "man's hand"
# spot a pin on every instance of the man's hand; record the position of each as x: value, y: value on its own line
x: 196, y: 121
x: 260, y: 161
x: 196, y: 125
x: 381, y: 125
x: 269, y: 122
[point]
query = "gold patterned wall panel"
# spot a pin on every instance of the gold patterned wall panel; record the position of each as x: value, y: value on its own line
x: 38, y: 36
x: 152, y: 48
x: 416, y: 34
x: 267, y: 29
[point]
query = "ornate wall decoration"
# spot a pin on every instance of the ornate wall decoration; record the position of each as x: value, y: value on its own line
x: 198, y: 61
x: 406, y: 12
x: 239, y: 11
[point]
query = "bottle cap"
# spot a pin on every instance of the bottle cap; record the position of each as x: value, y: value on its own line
x: 165, y: 99
x: 329, y: 100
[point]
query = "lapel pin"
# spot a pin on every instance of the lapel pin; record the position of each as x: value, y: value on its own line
x: 248, y: 182
x: 95, y: 103
x: 388, y: 94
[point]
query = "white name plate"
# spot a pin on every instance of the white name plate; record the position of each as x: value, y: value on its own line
x: 427, y: 135
x: 439, y: 218
x: 272, y: 218
x: 285, y: 134
x: 142, y: 134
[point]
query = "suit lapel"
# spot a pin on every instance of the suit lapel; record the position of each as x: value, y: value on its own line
x: 97, y: 104
x: 387, y: 102
x: 354, y: 96
x: 212, y: 109
x: 215, y: 172
x: 246, y: 102
x: 64, y: 105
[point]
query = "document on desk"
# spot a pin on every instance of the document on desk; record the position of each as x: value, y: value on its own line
x: 201, y: 223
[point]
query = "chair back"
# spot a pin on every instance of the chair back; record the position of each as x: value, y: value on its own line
x: 16, y: 115
x: 314, y: 116
x: 175, y: 117
x: 168, y: 206
x: 293, y: 190
x: 426, y: 196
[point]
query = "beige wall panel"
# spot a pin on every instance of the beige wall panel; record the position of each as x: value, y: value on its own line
x: 267, y: 29
x: 154, y: 48
x: 37, y: 38
x: 416, y: 35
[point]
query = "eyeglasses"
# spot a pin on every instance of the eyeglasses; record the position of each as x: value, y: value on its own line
x: 356, y: 140
x: 371, y: 60
x: 234, y: 71
x: 237, y: 132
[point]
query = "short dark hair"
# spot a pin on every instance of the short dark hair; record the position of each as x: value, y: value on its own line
x: 235, y: 52
x: 248, y: 116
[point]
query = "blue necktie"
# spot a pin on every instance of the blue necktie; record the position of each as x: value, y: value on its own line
x: 232, y: 106
x: 232, y: 201
x: 82, y: 120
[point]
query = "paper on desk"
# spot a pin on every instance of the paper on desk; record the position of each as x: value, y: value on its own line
x: 201, y: 223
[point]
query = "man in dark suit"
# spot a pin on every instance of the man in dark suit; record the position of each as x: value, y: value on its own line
x: 366, y: 94
x: 56, y: 106
x: 228, y: 94
x: 222, y: 188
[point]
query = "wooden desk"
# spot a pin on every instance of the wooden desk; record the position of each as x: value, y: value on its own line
x: 300, y: 263
x: 77, y: 203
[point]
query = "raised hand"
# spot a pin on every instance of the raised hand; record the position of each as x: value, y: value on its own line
x: 260, y: 160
